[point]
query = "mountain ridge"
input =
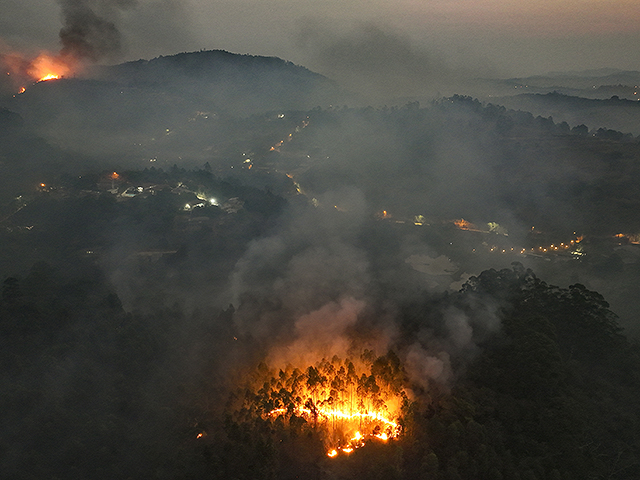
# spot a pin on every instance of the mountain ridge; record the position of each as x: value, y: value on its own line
x: 203, y: 61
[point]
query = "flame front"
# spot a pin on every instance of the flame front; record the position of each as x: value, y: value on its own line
x: 376, y: 421
x: 344, y: 403
x: 463, y: 224
x: 48, y: 67
x: 23, y: 71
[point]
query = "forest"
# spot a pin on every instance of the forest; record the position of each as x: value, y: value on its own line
x: 90, y: 390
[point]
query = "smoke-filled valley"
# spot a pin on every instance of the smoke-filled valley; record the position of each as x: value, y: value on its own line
x: 229, y: 266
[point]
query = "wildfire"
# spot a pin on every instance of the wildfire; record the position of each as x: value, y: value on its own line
x: 328, y: 414
x: 339, y: 400
x: 358, y: 440
x: 49, y: 76
x: 48, y: 67
x: 629, y: 238
x: 42, y: 68
x: 463, y: 224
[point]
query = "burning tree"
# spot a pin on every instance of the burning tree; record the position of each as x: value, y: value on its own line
x: 347, y: 402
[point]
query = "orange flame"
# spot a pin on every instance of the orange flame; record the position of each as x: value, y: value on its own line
x: 340, y: 398
x: 463, y: 224
x: 45, y: 66
x: 48, y: 67
x: 333, y: 414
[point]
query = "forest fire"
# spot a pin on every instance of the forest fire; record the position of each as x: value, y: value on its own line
x: 463, y: 224
x: 365, y: 420
x: 49, y: 76
x: 347, y: 402
x: 42, y: 68
x: 49, y: 67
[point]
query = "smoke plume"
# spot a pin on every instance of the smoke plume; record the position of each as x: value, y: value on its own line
x: 89, y: 31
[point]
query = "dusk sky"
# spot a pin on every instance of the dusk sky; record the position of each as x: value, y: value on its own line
x: 486, y: 37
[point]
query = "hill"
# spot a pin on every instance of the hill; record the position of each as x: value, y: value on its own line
x: 613, y: 113
x: 600, y: 83
x: 113, y: 110
x: 238, y: 84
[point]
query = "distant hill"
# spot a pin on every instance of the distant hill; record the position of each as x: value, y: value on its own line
x: 601, y: 83
x: 238, y: 83
x: 586, y: 79
x: 112, y: 109
x: 593, y: 72
x: 612, y: 113
x: 212, y: 64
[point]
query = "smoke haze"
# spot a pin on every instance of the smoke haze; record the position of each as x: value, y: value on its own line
x: 250, y: 225
x: 89, y: 30
x: 378, y: 63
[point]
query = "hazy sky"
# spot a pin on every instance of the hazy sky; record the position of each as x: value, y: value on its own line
x: 497, y: 37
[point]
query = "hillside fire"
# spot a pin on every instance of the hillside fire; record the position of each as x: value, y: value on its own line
x: 49, y: 67
x: 347, y: 402
x: 42, y: 68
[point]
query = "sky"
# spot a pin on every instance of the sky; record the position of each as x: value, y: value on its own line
x: 503, y: 38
